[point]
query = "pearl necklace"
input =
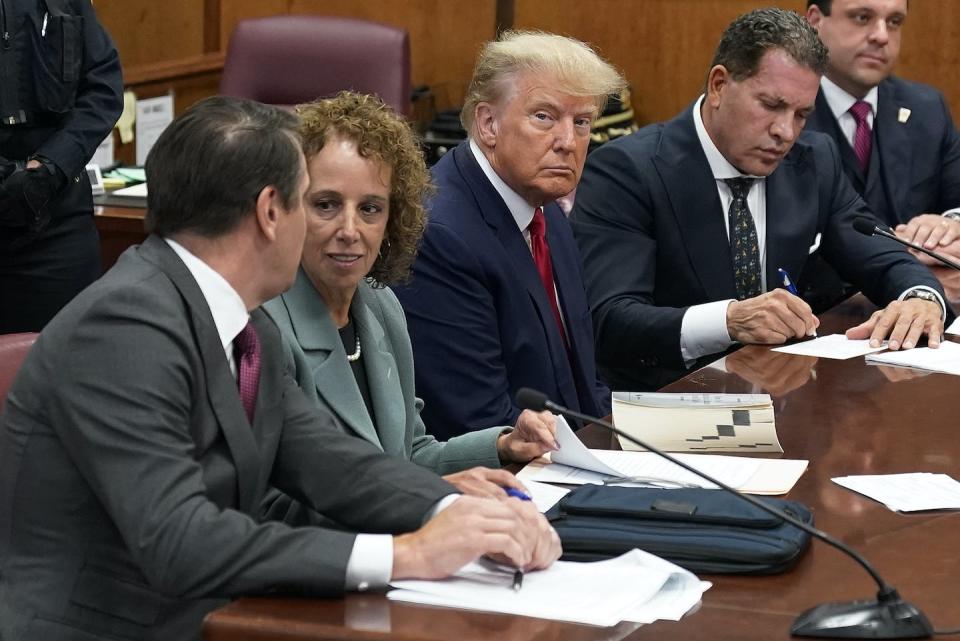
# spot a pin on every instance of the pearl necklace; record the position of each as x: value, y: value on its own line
x: 356, y: 354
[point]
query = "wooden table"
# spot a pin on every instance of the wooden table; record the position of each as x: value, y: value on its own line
x: 844, y: 416
x: 119, y: 227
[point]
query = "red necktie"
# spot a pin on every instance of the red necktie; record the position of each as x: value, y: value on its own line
x: 862, y: 139
x: 246, y: 351
x: 541, y: 258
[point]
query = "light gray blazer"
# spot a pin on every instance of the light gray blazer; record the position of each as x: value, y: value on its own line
x: 313, y: 346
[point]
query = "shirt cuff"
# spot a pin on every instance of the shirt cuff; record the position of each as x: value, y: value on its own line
x: 943, y: 306
x: 371, y: 562
x: 704, y: 331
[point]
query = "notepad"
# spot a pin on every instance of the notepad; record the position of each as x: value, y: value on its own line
x: 134, y: 191
x: 710, y: 423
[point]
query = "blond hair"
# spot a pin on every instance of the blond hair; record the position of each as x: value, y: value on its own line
x: 577, y: 69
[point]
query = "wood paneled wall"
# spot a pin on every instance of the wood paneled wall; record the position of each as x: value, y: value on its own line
x: 663, y: 46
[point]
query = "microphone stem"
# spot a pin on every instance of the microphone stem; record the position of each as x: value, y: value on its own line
x: 934, y: 255
x: 823, y: 536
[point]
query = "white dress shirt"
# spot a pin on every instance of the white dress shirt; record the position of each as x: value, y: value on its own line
x: 704, y: 327
x: 371, y: 560
x: 840, y: 102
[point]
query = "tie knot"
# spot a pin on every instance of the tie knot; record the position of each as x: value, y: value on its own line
x: 860, y: 110
x: 538, y: 225
x: 247, y: 342
x: 739, y: 186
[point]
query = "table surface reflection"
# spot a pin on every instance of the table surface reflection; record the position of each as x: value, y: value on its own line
x: 845, y: 417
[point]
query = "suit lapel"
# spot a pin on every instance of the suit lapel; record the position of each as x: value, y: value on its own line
x: 824, y: 121
x: 501, y: 221
x: 791, y: 216
x: 318, y: 337
x: 221, y: 385
x: 382, y: 374
x: 892, y: 138
x: 692, y: 191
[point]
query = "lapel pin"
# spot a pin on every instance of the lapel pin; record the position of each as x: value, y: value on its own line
x: 903, y: 115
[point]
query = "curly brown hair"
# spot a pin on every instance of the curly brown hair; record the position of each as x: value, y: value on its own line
x: 379, y: 133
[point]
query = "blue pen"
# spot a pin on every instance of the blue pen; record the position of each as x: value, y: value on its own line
x: 786, y: 282
x: 788, y: 285
x: 518, y: 573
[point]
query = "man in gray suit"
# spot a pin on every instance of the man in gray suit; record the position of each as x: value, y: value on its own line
x: 131, y: 465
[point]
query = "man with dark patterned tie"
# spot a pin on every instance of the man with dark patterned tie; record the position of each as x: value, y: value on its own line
x: 684, y: 225
x: 897, y: 140
x: 154, y: 411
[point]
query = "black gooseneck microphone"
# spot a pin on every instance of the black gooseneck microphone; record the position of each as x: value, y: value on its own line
x: 869, y: 227
x: 887, y: 617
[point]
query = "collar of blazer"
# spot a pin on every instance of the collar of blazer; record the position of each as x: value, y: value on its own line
x: 220, y: 383
x: 333, y: 378
x: 692, y: 192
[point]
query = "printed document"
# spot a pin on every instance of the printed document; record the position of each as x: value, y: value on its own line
x: 835, y: 346
x: 907, y: 492
x: 636, y: 586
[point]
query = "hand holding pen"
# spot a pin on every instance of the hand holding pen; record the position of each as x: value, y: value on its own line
x: 771, y: 318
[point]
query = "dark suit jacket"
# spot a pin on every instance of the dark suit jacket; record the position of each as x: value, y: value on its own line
x: 129, y: 473
x: 478, y: 314
x: 650, y: 226
x: 914, y: 167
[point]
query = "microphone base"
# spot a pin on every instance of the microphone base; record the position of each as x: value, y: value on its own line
x: 886, y: 619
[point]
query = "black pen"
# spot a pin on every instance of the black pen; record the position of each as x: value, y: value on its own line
x: 518, y: 573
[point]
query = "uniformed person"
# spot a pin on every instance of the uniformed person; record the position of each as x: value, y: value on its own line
x: 60, y: 95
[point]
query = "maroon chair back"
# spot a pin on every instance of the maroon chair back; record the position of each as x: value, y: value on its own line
x: 290, y: 59
x: 13, y: 349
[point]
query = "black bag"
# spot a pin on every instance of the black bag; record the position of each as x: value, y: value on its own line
x: 708, y: 531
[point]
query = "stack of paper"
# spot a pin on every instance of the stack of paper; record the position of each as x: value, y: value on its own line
x: 944, y: 359
x: 575, y: 464
x: 697, y: 422
x: 636, y: 586
x: 907, y: 492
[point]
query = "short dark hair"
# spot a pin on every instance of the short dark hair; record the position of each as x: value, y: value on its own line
x: 825, y: 5
x: 208, y: 167
x: 750, y: 36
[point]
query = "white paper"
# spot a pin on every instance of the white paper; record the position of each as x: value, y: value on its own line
x: 954, y: 327
x: 545, y: 496
x: 600, y: 593
x: 134, y: 191
x: 153, y: 116
x: 907, y: 492
x: 103, y: 156
x: 835, y: 346
x: 732, y: 470
x: 944, y: 359
x: 574, y: 453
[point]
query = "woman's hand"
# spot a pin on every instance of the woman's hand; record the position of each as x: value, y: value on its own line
x: 534, y: 435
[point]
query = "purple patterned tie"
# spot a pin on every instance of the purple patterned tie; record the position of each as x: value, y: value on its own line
x: 246, y: 351
x: 862, y: 139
